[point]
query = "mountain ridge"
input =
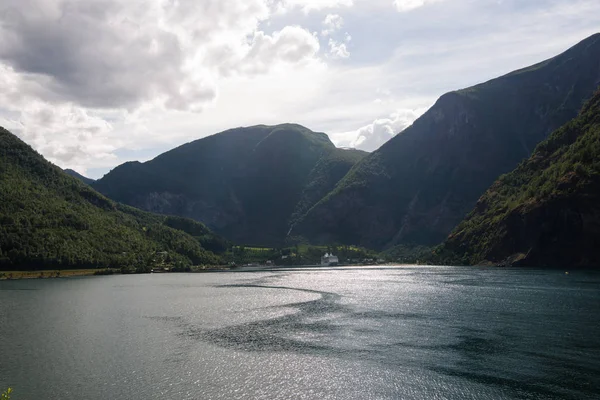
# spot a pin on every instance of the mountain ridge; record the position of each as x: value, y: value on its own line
x: 77, y: 175
x: 420, y: 184
x: 546, y: 212
x: 246, y: 183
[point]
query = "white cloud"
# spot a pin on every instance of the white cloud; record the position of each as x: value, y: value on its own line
x: 372, y: 136
x: 264, y: 52
x: 66, y: 134
x: 292, y: 45
x: 331, y: 24
x: 67, y: 64
x: 114, y: 54
x: 408, y: 5
x: 338, y: 50
x: 311, y: 5
x: 94, y: 83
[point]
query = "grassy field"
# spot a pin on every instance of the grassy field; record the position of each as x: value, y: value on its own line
x: 253, y: 248
x: 302, y: 248
x: 305, y: 247
x: 64, y: 273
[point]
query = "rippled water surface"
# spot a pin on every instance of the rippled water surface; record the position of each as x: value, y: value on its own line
x: 356, y: 333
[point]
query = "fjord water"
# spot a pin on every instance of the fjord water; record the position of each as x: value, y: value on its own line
x: 355, y: 333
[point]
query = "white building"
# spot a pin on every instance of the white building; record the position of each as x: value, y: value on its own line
x: 329, y: 259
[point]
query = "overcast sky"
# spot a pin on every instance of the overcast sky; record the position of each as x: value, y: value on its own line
x: 92, y: 84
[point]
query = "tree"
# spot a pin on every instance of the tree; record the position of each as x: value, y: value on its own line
x: 6, y: 394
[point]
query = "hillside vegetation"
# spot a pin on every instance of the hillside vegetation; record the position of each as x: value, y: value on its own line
x: 247, y: 184
x: 324, y: 176
x: 298, y: 255
x: 418, y: 186
x: 544, y: 213
x: 49, y: 219
x: 77, y: 175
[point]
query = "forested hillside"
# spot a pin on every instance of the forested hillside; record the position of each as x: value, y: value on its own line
x: 49, y: 219
x: 247, y: 184
x: 544, y: 213
x: 77, y: 175
x: 418, y: 186
x: 325, y: 175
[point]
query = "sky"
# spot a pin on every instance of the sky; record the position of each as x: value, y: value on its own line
x: 91, y: 84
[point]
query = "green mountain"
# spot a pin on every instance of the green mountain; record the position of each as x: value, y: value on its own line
x: 77, y: 175
x: 49, y: 219
x: 544, y: 213
x: 246, y: 183
x: 324, y: 176
x: 418, y: 186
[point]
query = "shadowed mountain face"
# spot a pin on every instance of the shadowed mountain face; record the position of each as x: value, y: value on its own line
x: 77, y: 175
x: 49, y: 219
x: 248, y: 184
x: 544, y: 213
x: 418, y: 186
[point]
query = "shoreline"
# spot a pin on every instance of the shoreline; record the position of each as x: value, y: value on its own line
x: 54, y: 273
x: 67, y: 273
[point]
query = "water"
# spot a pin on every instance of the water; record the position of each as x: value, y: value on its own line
x: 357, y: 333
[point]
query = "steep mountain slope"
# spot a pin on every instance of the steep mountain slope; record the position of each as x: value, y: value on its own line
x: 77, y: 175
x: 418, y: 186
x: 544, y: 213
x: 50, y: 219
x: 244, y: 183
x: 325, y: 175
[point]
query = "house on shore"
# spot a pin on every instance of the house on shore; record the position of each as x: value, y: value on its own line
x: 329, y: 260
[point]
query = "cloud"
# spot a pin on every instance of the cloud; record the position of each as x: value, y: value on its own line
x: 372, y: 136
x: 74, y: 74
x: 66, y: 134
x: 96, y: 55
x: 312, y: 5
x: 338, y: 50
x: 292, y: 45
x: 331, y: 24
x: 121, y: 54
x: 264, y: 52
x: 92, y: 83
x: 408, y: 5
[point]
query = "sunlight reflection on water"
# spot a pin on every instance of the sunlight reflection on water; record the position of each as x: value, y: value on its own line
x: 356, y: 333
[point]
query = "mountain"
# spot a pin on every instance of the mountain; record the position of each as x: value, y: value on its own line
x: 49, y: 219
x: 544, y: 213
x: 77, y: 175
x: 246, y: 183
x: 419, y: 185
x: 324, y: 176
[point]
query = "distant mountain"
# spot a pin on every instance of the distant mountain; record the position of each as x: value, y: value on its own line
x: 77, y: 175
x: 247, y: 184
x: 49, y: 219
x: 418, y: 186
x: 324, y: 176
x: 544, y: 213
